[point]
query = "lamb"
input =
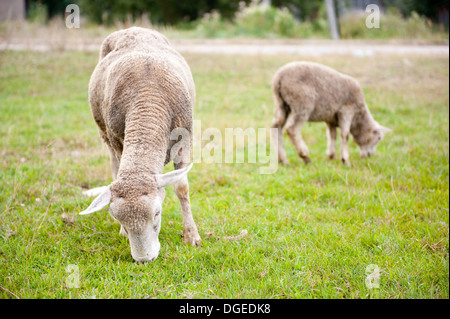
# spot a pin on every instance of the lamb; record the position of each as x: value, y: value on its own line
x: 307, y: 91
x: 140, y: 91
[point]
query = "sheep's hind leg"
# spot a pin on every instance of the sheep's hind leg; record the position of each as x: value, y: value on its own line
x: 190, y: 232
x: 277, y: 135
x: 293, y: 127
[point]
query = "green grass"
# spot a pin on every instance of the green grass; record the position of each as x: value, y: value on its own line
x: 312, y: 230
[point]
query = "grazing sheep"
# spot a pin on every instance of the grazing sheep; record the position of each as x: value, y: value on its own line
x: 306, y: 91
x: 140, y: 91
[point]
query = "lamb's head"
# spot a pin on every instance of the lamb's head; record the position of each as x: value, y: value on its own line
x: 137, y: 206
x: 369, y: 138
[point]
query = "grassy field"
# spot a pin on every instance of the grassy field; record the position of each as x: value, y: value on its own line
x: 312, y: 230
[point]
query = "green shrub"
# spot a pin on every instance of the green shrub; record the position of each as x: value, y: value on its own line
x: 37, y: 13
x: 284, y: 23
x: 211, y: 25
x: 254, y: 20
x: 392, y: 25
x: 261, y: 21
x: 264, y: 21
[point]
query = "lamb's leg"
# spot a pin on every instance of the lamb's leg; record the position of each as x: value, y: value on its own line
x: 344, y: 126
x: 293, y: 127
x: 278, y: 122
x: 331, y: 141
x: 190, y: 232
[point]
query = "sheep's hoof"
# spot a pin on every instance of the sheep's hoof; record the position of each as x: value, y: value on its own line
x: 191, y: 238
x: 331, y: 156
x: 306, y: 159
x: 346, y: 162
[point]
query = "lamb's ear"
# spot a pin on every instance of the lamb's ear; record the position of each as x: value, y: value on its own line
x: 383, y: 129
x: 170, y: 178
x: 101, y: 201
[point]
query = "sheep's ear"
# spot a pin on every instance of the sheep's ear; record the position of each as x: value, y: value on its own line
x: 95, y: 191
x: 170, y: 178
x: 101, y: 201
x: 384, y: 130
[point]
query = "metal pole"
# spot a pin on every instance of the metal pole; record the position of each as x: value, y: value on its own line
x: 332, y: 22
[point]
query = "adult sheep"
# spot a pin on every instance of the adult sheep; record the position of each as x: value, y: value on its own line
x: 307, y: 91
x: 140, y: 91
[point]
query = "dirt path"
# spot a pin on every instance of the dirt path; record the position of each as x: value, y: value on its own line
x: 249, y: 47
x: 315, y: 49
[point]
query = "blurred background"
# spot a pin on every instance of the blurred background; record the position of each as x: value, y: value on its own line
x: 273, y: 19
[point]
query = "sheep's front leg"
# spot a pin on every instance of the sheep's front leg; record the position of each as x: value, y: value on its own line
x: 115, y: 163
x: 122, y: 232
x: 190, y: 232
x: 344, y: 125
x: 114, y: 158
x: 331, y: 141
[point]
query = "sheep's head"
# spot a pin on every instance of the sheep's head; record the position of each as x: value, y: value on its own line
x: 137, y: 206
x: 369, y: 140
